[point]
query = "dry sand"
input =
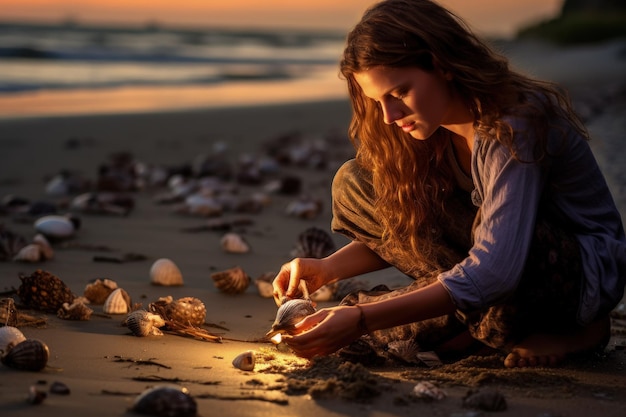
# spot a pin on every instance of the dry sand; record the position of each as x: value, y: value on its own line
x: 105, y: 367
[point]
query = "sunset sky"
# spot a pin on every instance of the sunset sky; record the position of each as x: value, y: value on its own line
x: 487, y: 16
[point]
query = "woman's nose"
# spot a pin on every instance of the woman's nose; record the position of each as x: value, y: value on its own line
x: 391, y: 112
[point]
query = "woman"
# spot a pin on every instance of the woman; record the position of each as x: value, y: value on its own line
x: 476, y: 181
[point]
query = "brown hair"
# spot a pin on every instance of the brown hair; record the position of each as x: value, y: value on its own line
x: 411, y: 177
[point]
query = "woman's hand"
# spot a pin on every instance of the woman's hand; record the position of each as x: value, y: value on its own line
x: 310, y: 271
x: 326, y: 331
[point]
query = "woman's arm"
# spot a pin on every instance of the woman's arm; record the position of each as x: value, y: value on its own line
x: 330, y: 329
x: 353, y: 259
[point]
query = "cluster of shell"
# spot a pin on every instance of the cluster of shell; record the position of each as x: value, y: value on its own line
x: 19, y: 352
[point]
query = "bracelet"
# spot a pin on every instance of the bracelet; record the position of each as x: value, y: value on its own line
x: 362, y: 324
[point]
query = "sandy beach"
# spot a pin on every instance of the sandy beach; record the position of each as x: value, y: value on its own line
x: 106, y: 367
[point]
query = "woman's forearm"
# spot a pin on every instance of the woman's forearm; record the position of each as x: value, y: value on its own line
x: 424, y: 303
x: 353, y: 259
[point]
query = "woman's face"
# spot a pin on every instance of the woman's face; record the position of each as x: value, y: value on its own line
x: 417, y: 101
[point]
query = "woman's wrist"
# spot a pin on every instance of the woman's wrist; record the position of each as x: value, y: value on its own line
x: 362, y: 324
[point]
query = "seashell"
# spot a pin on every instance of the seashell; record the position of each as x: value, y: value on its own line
x: 234, y: 243
x: 10, y: 243
x: 59, y: 388
x: 290, y: 313
x: 99, y: 290
x: 304, y: 208
x: 47, y: 252
x: 75, y: 311
x: 118, y: 302
x: 245, y: 361
x: 9, y: 337
x: 426, y: 390
x: 35, y: 395
x: 166, y: 273
x: 314, y: 242
x: 165, y: 400
x: 200, y: 205
x: 57, y: 227
x: 8, y: 312
x: 28, y: 355
x: 231, y: 281
x: 485, y: 399
x: 44, y: 291
x: 264, y: 285
x: 143, y: 323
x: 29, y: 253
x: 405, y: 350
x: 186, y: 310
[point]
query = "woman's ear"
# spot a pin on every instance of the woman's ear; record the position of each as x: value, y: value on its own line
x: 447, y: 75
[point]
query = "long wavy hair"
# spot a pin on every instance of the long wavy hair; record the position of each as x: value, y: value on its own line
x: 411, y: 177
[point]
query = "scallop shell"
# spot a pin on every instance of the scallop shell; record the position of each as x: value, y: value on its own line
x: 485, y: 399
x: 44, y: 291
x: 165, y: 400
x: 9, y: 337
x: 166, y: 273
x: 405, y: 350
x: 426, y: 390
x: 143, y: 323
x: 30, y: 253
x: 186, y: 310
x: 290, y: 313
x: 99, y: 290
x: 28, y: 355
x: 313, y: 242
x: 118, y: 302
x: 231, y: 281
x: 57, y: 227
x: 234, y: 243
x: 245, y: 361
x: 75, y: 311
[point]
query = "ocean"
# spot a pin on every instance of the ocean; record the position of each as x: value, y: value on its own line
x: 63, y: 60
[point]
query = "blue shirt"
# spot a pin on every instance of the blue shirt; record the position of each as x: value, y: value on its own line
x: 571, y: 186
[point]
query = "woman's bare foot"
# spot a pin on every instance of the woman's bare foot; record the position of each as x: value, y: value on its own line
x: 551, y: 349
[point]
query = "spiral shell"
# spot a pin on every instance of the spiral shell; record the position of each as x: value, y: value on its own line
x: 118, y: 302
x: 165, y: 400
x: 28, y: 355
x: 185, y: 310
x: 234, y: 243
x: 99, y: 290
x: 143, y: 323
x: 313, y: 242
x: 10, y: 243
x: 231, y: 281
x: 245, y: 361
x: 9, y: 337
x: 166, y: 273
x: 44, y: 291
x: 75, y: 311
x: 290, y: 313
